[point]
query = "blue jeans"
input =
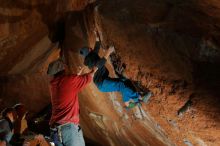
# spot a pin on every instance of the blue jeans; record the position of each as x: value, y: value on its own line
x: 67, y: 135
x: 117, y: 85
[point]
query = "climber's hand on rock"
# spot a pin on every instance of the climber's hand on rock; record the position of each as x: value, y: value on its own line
x: 80, y: 70
x: 111, y: 49
x: 94, y: 69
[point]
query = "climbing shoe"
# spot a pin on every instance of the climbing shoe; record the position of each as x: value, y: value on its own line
x: 146, y: 97
x: 131, y: 105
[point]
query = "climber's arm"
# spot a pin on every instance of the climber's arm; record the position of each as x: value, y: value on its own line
x: 103, y: 60
x: 97, y: 46
x: 97, y: 43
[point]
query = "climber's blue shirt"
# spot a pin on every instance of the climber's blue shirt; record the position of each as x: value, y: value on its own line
x: 93, y: 59
x: 6, y: 130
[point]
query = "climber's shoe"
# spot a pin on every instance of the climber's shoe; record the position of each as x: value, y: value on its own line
x: 130, y: 106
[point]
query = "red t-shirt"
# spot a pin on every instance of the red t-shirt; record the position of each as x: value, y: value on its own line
x: 64, y: 97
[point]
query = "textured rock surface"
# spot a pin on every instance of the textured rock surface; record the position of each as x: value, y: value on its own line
x: 170, y: 47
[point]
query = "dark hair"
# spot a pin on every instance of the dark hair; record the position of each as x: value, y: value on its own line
x: 6, y: 111
x: 59, y: 73
x: 18, y: 106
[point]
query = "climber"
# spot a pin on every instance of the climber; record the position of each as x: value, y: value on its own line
x: 64, y: 87
x: 102, y: 80
x: 7, y: 124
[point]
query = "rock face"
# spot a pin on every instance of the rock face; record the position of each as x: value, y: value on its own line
x: 168, y: 47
